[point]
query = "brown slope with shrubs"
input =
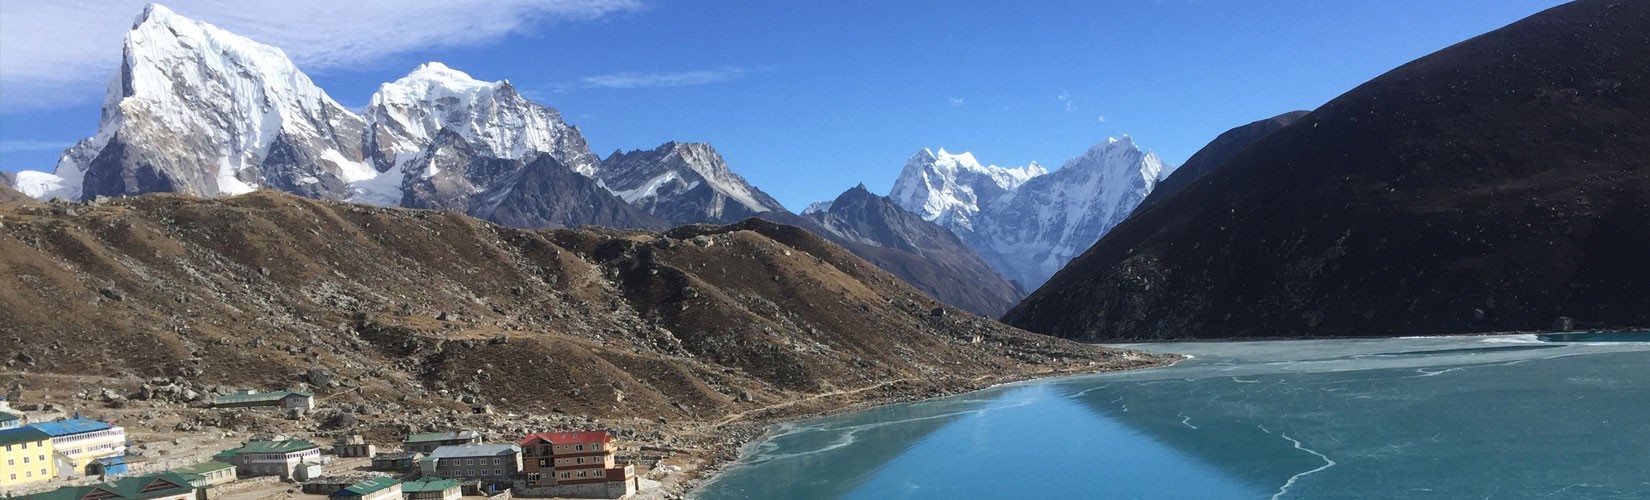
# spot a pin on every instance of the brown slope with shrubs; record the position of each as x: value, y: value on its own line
x: 1500, y: 184
x: 419, y: 308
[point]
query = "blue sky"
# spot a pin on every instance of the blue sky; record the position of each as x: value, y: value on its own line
x: 805, y: 99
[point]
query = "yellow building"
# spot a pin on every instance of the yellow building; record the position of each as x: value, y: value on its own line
x: 77, y: 442
x: 25, y: 457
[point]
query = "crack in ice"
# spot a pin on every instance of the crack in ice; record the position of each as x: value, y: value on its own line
x: 1291, y: 482
x: 1186, y: 421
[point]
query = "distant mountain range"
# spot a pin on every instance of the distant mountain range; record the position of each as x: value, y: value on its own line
x: 200, y: 111
x: 1027, y: 222
x: 1500, y: 184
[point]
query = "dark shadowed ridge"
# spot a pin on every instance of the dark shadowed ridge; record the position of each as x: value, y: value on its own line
x: 1499, y: 184
x: 922, y: 253
x: 1218, y: 152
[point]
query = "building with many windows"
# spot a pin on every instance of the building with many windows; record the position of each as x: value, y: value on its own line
x: 25, y: 457
x: 272, y: 458
x: 428, y: 442
x: 576, y: 458
x: 287, y: 400
x: 486, y: 462
x: 78, y: 442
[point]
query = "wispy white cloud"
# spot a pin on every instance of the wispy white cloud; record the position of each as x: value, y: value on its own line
x: 956, y: 102
x: 61, y: 52
x: 637, y: 80
x: 21, y: 145
x: 1102, y: 118
x: 1064, y: 98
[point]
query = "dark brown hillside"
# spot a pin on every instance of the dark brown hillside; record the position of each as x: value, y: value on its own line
x: 1217, y: 153
x: 9, y: 195
x: 923, y: 254
x: 414, y: 310
x: 1499, y: 184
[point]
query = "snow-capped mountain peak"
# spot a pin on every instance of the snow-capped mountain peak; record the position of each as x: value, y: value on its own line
x: 1028, y: 222
x: 203, y: 111
x: 953, y: 186
x: 684, y: 182
x: 406, y: 115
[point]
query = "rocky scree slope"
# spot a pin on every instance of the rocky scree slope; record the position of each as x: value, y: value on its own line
x: 1501, y: 184
x: 405, y: 308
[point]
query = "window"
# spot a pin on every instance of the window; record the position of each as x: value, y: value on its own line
x: 498, y: 472
x: 579, y: 447
x: 579, y: 460
x: 564, y: 475
x: 14, y: 477
x: 11, y: 462
x: 596, y: 447
x: 581, y: 473
x: 25, y: 459
x: 496, y: 461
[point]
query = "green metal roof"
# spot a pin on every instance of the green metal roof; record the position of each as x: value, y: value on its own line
x: 287, y: 446
x: 368, y: 487
x: 202, y: 468
x: 428, y: 486
x: 7, y: 417
x: 22, y: 435
x: 132, y: 488
x: 257, y: 397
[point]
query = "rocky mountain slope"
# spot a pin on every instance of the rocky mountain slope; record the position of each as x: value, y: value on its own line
x: 684, y: 184
x: 1216, y: 153
x: 1027, y: 223
x: 1499, y: 184
x: 921, y: 253
x: 423, y: 309
x: 9, y: 195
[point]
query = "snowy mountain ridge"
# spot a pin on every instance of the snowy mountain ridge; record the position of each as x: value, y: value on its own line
x: 1028, y: 222
x: 249, y: 120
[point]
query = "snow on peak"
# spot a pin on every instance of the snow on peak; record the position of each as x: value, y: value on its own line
x: 406, y: 115
x: 208, y: 103
x: 818, y: 207
x: 954, y: 186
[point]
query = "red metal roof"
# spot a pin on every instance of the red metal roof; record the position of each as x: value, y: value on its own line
x: 569, y: 437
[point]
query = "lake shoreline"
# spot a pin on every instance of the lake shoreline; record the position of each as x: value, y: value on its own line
x: 733, y: 439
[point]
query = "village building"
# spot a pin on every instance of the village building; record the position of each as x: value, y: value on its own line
x: 434, y: 489
x: 163, y: 486
x: 25, y: 457
x: 287, y: 400
x: 577, y: 464
x: 9, y: 420
x: 484, y: 462
x: 399, y: 461
x: 378, y: 488
x: 289, y: 459
x: 352, y: 446
x: 78, y: 442
x: 428, y: 442
x: 207, y: 474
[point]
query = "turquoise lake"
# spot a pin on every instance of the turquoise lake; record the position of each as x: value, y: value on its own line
x: 1516, y: 416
